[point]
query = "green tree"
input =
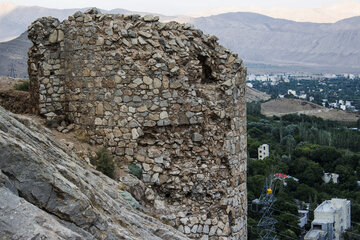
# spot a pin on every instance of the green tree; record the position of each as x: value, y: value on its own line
x: 305, y: 193
x: 312, y: 174
x: 255, y: 185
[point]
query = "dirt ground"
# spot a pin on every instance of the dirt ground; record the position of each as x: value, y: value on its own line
x: 254, y: 95
x: 12, y: 100
x: 284, y: 106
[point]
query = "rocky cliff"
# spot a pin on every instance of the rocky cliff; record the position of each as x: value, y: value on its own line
x: 47, y: 192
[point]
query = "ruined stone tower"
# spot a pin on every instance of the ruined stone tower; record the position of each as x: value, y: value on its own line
x: 164, y: 96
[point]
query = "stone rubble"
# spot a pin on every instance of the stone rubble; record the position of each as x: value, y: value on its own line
x: 164, y: 96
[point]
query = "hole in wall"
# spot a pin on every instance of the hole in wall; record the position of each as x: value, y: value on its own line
x: 206, y: 75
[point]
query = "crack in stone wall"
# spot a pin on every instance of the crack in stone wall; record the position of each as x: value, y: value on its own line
x: 162, y: 95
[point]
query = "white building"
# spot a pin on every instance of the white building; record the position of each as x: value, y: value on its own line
x: 331, y: 219
x: 249, y: 85
x: 304, y: 217
x: 329, y: 75
x: 330, y: 177
x: 334, y: 105
x: 262, y: 78
x: 263, y: 151
x: 302, y: 96
x: 251, y: 77
x: 291, y: 92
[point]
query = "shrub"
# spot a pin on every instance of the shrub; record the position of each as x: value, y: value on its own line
x: 81, y: 136
x: 104, y: 162
x: 22, y: 86
x: 51, y: 123
x: 135, y: 170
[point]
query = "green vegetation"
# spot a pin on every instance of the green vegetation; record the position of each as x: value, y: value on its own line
x: 135, y: 170
x: 303, y: 147
x: 104, y: 162
x: 22, y: 86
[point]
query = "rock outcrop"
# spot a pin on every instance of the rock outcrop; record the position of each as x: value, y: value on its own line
x: 165, y: 97
x: 48, y: 193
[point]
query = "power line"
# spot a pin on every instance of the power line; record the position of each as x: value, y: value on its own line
x: 276, y: 233
x: 353, y: 234
x: 355, y: 223
x: 285, y: 212
x: 296, y: 227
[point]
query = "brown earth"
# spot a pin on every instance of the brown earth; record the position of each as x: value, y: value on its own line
x: 254, y: 95
x: 284, y: 106
x: 13, y: 100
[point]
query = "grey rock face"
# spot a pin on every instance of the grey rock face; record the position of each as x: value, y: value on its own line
x: 46, y: 192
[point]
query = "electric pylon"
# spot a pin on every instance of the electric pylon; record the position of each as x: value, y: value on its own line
x: 12, y: 71
x: 266, y: 225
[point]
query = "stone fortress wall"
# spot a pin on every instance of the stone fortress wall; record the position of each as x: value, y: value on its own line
x: 164, y: 96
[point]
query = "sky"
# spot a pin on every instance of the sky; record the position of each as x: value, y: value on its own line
x: 176, y: 7
x: 319, y: 10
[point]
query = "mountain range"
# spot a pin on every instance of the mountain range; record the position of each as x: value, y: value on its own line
x: 265, y: 44
x: 328, y: 12
x: 13, y: 55
x: 269, y: 43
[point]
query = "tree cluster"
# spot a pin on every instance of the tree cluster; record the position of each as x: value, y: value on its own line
x: 305, y: 148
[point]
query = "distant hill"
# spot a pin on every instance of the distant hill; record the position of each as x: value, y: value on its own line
x: 265, y: 44
x: 254, y: 95
x: 16, y: 20
x: 283, y: 45
x: 284, y: 106
x: 14, y: 54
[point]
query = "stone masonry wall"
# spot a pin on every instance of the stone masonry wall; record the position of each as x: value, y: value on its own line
x: 164, y: 96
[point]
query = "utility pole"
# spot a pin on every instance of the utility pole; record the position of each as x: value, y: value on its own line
x: 266, y: 225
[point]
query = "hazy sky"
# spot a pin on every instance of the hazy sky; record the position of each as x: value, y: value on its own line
x: 171, y: 7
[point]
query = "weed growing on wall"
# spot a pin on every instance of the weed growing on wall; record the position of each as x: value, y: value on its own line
x: 104, y: 162
x: 135, y: 170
